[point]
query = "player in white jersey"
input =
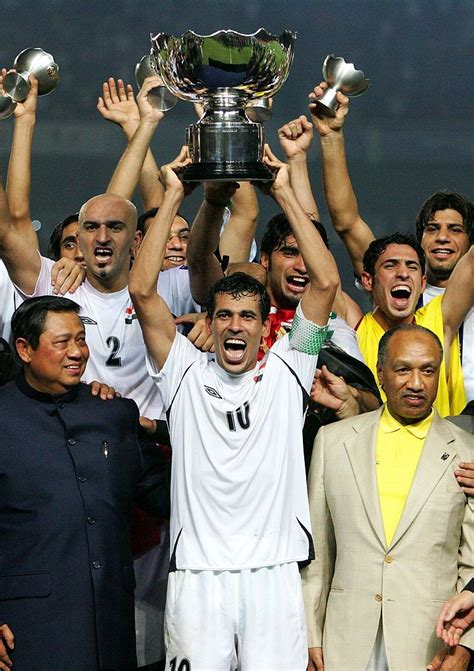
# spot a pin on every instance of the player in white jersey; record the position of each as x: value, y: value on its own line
x: 239, y: 508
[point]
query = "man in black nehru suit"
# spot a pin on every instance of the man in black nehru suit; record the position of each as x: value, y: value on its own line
x: 70, y: 470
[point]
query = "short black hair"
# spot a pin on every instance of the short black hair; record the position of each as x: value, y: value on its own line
x: 278, y: 229
x: 54, y: 248
x: 385, y: 339
x: 446, y: 200
x: 150, y: 214
x: 29, y: 318
x: 377, y: 248
x: 239, y: 285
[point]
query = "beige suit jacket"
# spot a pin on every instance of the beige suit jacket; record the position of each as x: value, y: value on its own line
x: 356, y: 579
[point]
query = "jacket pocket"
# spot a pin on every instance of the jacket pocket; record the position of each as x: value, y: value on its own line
x: 25, y: 585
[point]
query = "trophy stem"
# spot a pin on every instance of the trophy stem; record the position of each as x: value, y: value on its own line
x: 327, y: 104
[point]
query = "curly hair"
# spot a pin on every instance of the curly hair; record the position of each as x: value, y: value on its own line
x: 278, y: 229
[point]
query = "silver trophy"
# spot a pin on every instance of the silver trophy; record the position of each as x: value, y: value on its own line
x: 340, y: 76
x: 224, y: 72
x: 160, y: 98
x: 7, y: 106
x: 35, y: 62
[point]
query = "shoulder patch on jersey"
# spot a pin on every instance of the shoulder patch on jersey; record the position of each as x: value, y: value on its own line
x: 212, y: 392
x: 87, y: 320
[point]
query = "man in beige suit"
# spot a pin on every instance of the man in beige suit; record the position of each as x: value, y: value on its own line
x: 393, y: 530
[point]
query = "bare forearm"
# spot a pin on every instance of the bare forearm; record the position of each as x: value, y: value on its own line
x: 459, y: 296
x: 301, y: 185
x: 151, y: 189
x: 236, y: 240
x: 147, y: 266
x: 19, y: 178
x: 127, y: 173
x: 341, y: 200
x: 204, y: 268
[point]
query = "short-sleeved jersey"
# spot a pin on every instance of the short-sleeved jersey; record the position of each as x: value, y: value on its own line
x: 115, y: 339
x: 467, y: 340
x: 238, y: 493
x: 451, y: 397
x: 10, y: 299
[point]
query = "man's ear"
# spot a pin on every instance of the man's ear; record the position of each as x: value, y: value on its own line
x: 367, y: 281
x: 264, y: 260
x: 266, y: 328
x: 380, y: 375
x: 23, y: 349
x: 137, y: 241
x: 423, y: 283
x: 208, y: 325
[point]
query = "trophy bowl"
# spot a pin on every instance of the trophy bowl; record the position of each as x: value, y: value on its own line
x: 7, y: 106
x: 33, y: 61
x: 224, y: 72
x: 160, y: 98
x: 340, y: 76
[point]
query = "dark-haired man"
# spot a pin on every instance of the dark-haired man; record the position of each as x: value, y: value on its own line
x: 69, y: 473
x: 404, y: 527
x: 175, y: 254
x: 64, y: 240
x: 444, y: 225
x: 239, y: 509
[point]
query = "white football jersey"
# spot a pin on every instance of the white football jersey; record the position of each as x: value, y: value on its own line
x: 467, y: 340
x: 115, y: 339
x: 238, y: 487
x: 10, y: 299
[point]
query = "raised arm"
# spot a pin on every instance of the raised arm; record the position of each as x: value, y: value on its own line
x: 204, y: 268
x: 19, y: 167
x: 458, y: 299
x: 155, y: 318
x: 19, y: 255
x: 117, y: 104
x: 340, y: 197
x: 320, y: 265
x: 239, y: 232
x: 295, y: 139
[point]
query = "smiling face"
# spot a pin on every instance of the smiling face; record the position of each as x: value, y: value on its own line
x: 287, y: 278
x: 176, y: 247
x: 409, y: 375
x: 69, y: 247
x: 237, y: 330
x: 59, y: 361
x: 396, y: 285
x: 107, y: 232
x: 445, y: 240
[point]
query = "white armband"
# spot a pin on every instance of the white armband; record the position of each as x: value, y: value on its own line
x: 305, y: 336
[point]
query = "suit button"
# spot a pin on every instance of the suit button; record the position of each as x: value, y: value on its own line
x: 96, y: 564
x: 378, y: 597
x: 81, y: 478
x: 71, y: 441
x: 388, y: 559
x: 91, y: 520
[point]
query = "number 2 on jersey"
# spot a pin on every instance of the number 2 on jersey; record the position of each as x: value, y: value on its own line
x: 114, y: 344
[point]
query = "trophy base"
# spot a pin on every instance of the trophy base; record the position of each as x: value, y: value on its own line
x: 227, y: 172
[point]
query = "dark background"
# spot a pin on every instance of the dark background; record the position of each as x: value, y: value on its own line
x: 409, y: 135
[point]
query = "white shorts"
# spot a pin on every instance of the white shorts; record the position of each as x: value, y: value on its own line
x: 228, y: 620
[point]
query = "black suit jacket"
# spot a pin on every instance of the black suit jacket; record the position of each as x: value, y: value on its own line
x: 70, y: 470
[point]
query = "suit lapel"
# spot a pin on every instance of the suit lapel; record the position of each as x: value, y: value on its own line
x: 361, y: 452
x: 437, y: 454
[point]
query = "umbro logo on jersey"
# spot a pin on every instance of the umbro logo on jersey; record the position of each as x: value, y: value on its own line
x: 212, y: 392
x: 88, y: 320
x: 130, y: 314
